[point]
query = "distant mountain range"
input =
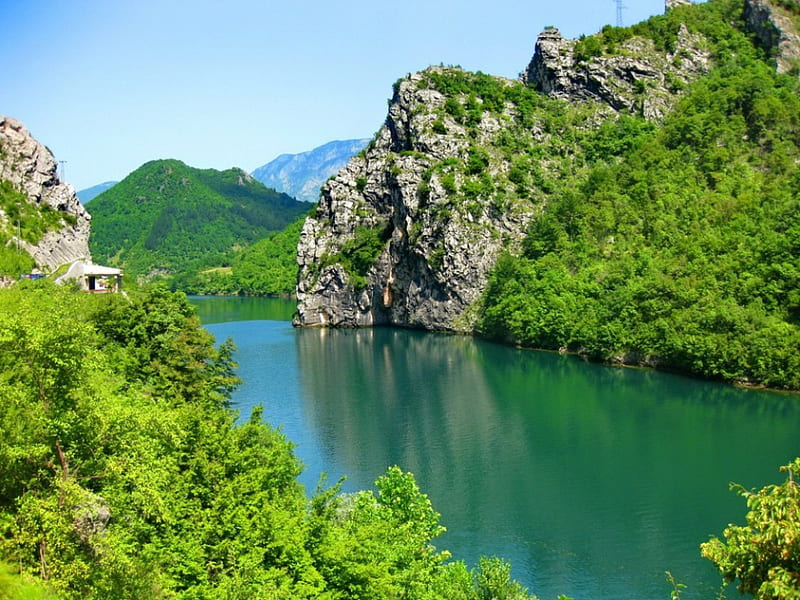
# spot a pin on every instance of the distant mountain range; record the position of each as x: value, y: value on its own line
x: 86, y: 195
x: 301, y: 175
x: 167, y: 218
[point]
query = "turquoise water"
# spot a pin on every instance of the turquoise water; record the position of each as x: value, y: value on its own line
x: 593, y: 481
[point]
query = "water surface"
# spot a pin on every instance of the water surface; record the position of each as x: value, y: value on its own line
x: 591, y: 480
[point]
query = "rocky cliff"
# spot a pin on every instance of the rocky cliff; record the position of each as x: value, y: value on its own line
x: 422, y: 268
x: 775, y: 26
x: 30, y: 169
x: 409, y: 231
x: 637, y: 77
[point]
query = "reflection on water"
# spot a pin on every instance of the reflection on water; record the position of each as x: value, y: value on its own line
x: 222, y: 309
x: 592, y: 480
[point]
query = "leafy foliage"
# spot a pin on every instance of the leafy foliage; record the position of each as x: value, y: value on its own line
x: 683, y: 254
x: 675, y: 245
x: 123, y: 475
x: 170, y: 218
x: 359, y: 254
x: 764, y: 555
x: 268, y: 267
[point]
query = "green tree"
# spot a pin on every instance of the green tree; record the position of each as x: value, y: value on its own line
x: 124, y: 475
x: 15, y: 586
x: 165, y: 347
x: 764, y: 555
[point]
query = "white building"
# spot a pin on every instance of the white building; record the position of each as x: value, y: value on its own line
x: 95, y: 279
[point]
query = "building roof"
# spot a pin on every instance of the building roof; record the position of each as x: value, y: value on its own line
x: 81, y: 269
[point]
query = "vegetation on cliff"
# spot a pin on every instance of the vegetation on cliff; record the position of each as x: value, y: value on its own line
x: 169, y: 218
x: 42, y: 224
x: 13, y: 261
x: 124, y: 475
x: 683, y: 251
x: 672, y: 242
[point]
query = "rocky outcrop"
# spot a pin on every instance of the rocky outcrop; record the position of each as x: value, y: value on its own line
x: 438, y: 232
x: 635, y: 78
x: 775, y: 29
x: 31, y: 169
x: 670, y: 4
x: 435, y: 257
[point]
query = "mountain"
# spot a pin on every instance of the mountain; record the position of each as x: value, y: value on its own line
x: 301, y: 175
x: 167, y: 217
x: 633, y: 198
x: 42, y: 223
x: 86, y: 195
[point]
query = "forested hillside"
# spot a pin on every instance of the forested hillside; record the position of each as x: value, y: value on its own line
x: 268, y: 267
x: 638, y: 202
x: 122, y: 474
x: 684, y: 249
x: 167, y: 218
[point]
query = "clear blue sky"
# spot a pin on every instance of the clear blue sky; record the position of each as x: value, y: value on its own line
x: 109, y: 84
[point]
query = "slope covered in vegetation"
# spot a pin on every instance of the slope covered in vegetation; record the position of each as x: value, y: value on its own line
x: 169, y: 218
x: 15, y: 208
x: 566, y: 222
x: 268, y: 267
x: 683, y: 251
x: 123, y: 475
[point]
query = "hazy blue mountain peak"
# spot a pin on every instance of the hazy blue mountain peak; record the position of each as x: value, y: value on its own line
x: 86, y: 195
x: 301, y: 175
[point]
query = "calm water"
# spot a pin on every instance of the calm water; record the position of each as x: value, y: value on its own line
x: 591, y: 480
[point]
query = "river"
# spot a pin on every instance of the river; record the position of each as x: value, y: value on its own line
x: 591, y: 480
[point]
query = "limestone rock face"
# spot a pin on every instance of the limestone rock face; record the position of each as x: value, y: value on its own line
x: 430, y: 269
x: 31, y: 168
x: 637, y: 78
x: 774, y: 28
x: 670, y: 4
x: 433, y: 264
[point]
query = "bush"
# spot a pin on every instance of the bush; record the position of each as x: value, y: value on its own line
x: 764, y: 555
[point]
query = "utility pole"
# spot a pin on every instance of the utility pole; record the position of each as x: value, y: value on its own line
x: 620, y: 8
x: 63, y: 162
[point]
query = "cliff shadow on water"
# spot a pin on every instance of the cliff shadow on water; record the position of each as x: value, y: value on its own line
x: 221, y: 309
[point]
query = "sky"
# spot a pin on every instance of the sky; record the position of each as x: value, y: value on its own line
x: 108, y: 85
